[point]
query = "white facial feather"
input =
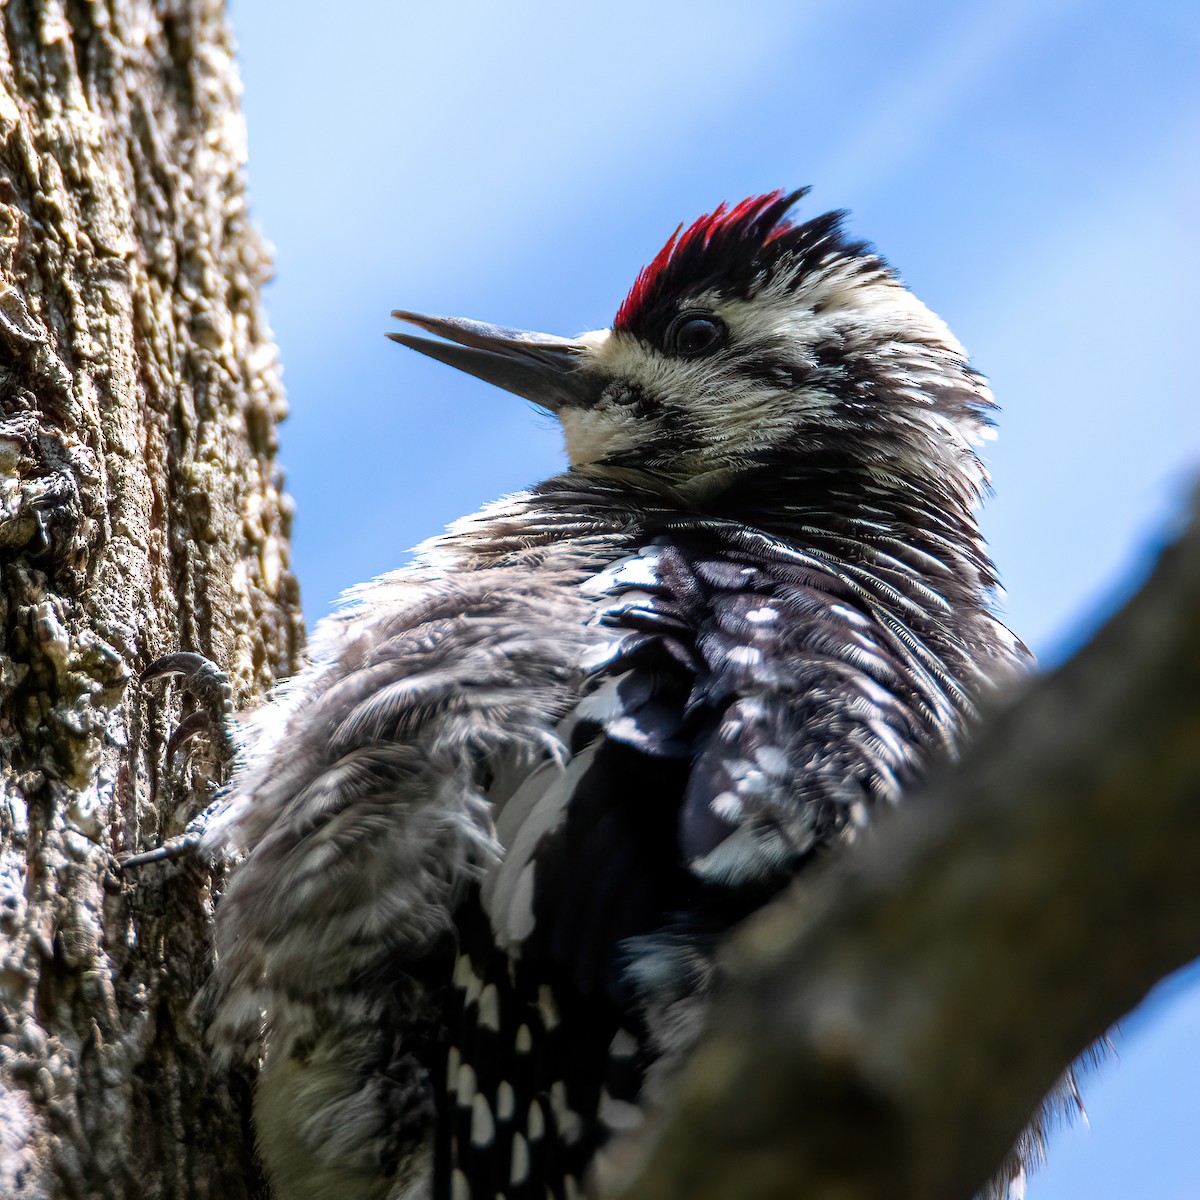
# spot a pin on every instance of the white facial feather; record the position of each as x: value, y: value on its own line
x: 880, y: 329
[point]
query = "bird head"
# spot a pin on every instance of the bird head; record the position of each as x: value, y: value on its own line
x: 750, y: 341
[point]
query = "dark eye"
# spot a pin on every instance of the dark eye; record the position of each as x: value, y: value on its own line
x: 695, y: 333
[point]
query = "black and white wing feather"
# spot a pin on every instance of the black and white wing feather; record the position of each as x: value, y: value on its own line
x: 753, y: 703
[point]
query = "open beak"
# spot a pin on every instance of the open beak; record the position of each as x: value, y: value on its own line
x: 539, y: 366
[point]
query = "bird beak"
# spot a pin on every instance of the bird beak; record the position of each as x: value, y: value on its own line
x: 538, y: 366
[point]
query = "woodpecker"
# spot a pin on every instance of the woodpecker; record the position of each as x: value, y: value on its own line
x: 486, y: 847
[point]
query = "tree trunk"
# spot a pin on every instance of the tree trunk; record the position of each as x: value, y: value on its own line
x: 141, y: 511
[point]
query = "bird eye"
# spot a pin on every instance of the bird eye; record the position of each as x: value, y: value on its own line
x: 694, y: 333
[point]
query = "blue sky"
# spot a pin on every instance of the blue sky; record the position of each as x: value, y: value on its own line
x: 1033, y: 170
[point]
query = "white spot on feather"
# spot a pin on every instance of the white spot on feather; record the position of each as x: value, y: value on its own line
x: 519, y: 1171
x: 466, y: 980
x: 489, y: 1008
x: 483, y: 1128
x: 745, y: 656
x: 727, y: 806
x: 567, y: 1119
x: 634, y: 571
x: 619, y: 1115
x: 548, y: 1008
x: 535, y: 1125
x: 773, y: 761
x: 624, y: 1044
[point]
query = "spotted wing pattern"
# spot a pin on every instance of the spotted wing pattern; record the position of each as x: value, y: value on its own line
x: 754, y: 702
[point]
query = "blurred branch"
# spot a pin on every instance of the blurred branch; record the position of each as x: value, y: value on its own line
x: 888, y: 1027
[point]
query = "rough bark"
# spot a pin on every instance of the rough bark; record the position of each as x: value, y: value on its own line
x: 888, y: 1028
x: 140, y: 512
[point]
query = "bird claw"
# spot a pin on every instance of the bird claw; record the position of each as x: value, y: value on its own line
x: 210, y: 687
x: 195, y: 724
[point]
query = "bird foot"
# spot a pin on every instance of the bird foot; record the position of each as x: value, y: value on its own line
x: 206, y: 683
x: 177, y: 847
